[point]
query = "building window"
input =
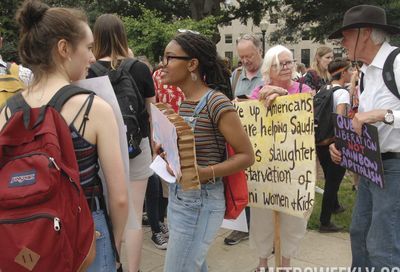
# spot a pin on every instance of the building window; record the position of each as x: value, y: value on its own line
x: 228, y: 38
x: 229, y: 55
x: 337, y: 52
x: 273, y: 19
x: 305, y: 57
x: 292, y: 53
x: 305, y: 36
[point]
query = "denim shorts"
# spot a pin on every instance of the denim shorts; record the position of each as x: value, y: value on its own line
x: 105, y: 258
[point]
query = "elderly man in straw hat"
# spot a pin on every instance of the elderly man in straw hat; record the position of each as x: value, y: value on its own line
x: 375, y: 227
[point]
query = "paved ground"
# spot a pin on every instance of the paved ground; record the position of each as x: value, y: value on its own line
x: 317, y: 250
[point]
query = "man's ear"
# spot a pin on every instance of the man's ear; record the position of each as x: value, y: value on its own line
x: 63, y: 48
x: 193, y: 64
x: 367, y: 31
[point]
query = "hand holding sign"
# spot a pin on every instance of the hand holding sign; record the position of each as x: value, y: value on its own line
x: 369, y: 117
x: 359, y: 153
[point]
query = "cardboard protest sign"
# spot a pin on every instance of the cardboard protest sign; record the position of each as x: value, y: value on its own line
x: 360, y: 154
x: 177, y: 140
x: 283, y: 175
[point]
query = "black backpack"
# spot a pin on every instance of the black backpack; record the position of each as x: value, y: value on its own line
x: 130, y: 100
x: 387, y: 74
x: 323, y: 108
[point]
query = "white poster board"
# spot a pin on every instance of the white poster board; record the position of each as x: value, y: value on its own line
x: 164, y: 133
x: 103, y: 88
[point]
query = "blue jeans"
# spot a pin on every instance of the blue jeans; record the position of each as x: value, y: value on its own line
x: 375, y: 226
x: 194, y: 217
x: 105, y: 259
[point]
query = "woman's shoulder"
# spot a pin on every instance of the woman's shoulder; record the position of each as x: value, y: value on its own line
x: 218, y: 97
x: 138, y: 66
x: 304, y: 88
x: 341, y: 91
x: 99, y: 106
x: 256, y: 92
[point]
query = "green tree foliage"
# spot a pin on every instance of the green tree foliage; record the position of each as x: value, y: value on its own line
x: 149, y: 33
x: 9, y: 29
x: 317, y: 17
x: 320, y: 18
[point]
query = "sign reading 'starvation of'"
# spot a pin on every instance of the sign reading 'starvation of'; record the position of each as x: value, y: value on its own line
x: 284, y: 173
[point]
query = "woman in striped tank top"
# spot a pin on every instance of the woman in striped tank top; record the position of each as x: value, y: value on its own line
x: 194, y: 217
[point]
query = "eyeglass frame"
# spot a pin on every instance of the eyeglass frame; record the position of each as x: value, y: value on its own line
x: 282, y: 65
x: 168, y: 58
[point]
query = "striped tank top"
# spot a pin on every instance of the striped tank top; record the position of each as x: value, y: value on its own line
x: 86, y: 153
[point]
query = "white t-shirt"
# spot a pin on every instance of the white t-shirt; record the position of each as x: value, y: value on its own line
x: 340, y: 96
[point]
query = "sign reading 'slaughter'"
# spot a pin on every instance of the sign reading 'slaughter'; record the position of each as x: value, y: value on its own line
x: 283, y: 175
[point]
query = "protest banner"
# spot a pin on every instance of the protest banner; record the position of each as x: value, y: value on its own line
x: 283, y: 175
x: 360, y: 154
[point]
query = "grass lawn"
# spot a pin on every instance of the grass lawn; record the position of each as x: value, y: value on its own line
x: 346, y: 199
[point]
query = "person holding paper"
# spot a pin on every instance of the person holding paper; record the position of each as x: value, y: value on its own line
x: 278, y: 71
x: 374, y: 230
x: 194, y: 216
x: 111, y: 49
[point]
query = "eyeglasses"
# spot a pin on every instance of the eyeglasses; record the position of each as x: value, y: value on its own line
x: 166, y: 59
x: 180, y: 30
x: 288, y: 64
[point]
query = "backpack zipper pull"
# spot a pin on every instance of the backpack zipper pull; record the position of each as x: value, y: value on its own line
x: 57, y: 224
x: 54, y: 163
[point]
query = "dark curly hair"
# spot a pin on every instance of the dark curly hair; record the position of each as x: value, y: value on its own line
x: 211, y: 67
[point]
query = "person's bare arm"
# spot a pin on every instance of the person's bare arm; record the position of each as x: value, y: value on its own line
x: 109, y: 152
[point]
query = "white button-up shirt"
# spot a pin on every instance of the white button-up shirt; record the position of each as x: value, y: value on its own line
x: 377, y: 96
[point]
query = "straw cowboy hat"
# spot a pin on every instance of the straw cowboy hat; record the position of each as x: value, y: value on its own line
x: 365, y: 16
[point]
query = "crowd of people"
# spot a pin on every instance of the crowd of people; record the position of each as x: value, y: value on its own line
x: 59, y: 48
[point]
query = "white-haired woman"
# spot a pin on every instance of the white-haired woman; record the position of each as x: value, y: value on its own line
x: 278, y: 69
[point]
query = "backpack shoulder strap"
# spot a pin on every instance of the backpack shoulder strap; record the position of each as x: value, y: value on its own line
x: 388, y: 73
x: 202, y: 103
x: 98, y: 69
x: 334, y: 89
x: 64, y: 94
x: 127, y: 64
x: 17, y: 103
x: 238, y: 72
x: 361, y: 82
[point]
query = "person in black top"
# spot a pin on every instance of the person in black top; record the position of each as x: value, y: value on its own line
x: 110, y: 49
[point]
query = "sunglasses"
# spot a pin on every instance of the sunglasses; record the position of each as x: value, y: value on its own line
x: 180, y: 30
